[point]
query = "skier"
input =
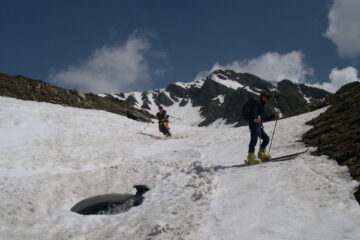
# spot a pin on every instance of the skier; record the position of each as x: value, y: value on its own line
x: 253, y: 112
x: 163, y: 121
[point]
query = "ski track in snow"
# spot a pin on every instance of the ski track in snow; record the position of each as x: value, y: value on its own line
x: 52, y: 157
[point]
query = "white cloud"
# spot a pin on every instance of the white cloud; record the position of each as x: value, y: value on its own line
x: 110, y: 68
x: 270, y: 66
x: 276, y: 67
x: 344, y: 27
x: 338, y: 78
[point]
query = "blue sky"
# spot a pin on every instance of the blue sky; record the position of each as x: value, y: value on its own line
x: 135, y: 45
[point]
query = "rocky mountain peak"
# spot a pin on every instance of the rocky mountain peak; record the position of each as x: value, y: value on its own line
x: 219, y: 97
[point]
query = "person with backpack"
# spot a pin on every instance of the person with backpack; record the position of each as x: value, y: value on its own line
x: 163, y: 122
x: 253, y: 112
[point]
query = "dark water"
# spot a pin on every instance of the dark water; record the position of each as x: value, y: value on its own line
x: 110, y: 204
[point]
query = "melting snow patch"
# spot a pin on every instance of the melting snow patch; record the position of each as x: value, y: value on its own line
x: 247, y: 88
x: 197, y: 84
x: 220, y: 98
x: 227, y: 83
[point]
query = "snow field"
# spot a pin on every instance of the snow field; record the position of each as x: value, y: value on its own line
x: 52, y: 157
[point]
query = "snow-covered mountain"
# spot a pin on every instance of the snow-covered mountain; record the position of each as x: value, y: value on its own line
x: 219, y: 97
x: 52, y: 157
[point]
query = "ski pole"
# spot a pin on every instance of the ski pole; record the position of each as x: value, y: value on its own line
x: 277, y: 110
x: 175, y: 117
x: 146, y: 126
x: 272, y: 136
x: 259, y: 133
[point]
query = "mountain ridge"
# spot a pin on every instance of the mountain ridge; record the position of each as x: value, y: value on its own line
x: 25, y: 88
x: 220, y: 96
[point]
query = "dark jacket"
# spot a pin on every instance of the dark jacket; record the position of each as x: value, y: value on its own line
x: 256, y: 108
x: 162, y: 117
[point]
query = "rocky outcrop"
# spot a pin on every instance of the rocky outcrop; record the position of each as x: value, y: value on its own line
x: 177, y: 91
x: 163, y: 99
x: 146, y: 101
x: 131, y: 100
x: 35, y: 90
x: 336, y: 132
x: 316, y: 93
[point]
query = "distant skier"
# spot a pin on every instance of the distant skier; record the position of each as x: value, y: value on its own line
x: 163, y: 122
x: 253, y: 112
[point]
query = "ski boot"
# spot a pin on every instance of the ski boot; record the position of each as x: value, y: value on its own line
x: 263, y: 156
x: 251, y: 159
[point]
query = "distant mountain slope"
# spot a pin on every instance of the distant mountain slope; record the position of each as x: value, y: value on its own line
x: 336, y: 132
x: 219, y: 97
x: 28, y: 89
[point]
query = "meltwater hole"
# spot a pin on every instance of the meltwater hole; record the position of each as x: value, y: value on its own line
x: 110, y: 204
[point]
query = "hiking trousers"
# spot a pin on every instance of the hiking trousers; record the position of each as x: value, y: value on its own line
x: 256, y: 131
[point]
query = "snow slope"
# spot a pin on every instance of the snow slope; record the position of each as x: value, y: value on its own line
x: 193, y: 114
x: 52, y: 157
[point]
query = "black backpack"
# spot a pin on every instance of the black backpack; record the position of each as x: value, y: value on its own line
x: 248, y: 108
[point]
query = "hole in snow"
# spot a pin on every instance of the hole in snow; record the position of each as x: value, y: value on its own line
x: 110, y: 204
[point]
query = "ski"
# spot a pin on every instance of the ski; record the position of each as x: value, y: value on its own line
x: 162, y: 138
x: 151, y: 135
x: 277, y: 159
x: 284, y: 157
